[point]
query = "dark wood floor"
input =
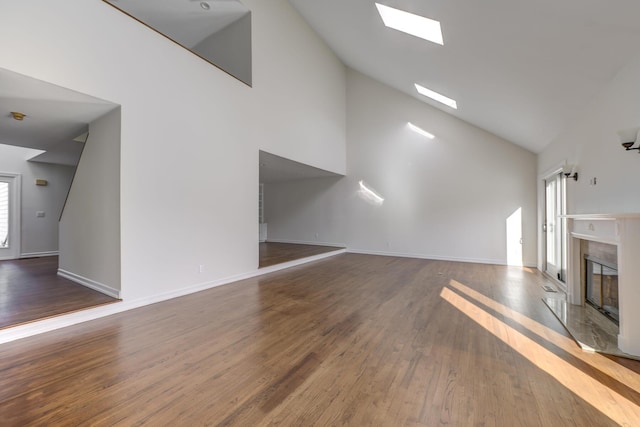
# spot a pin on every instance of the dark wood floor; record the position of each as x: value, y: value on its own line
x: 30, y: 289
x: 350, y: 340
x: 272, y: 253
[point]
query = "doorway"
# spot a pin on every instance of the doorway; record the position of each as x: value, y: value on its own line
x: 554, y: 227
x: 9, y: 216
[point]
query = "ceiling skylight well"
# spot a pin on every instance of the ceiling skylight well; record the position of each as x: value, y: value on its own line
x: 436, y: 96
x: 409, y: 23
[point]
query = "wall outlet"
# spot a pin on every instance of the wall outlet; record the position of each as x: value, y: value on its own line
x: 201, y: 268
x: 40, y: 214
x: 317, y: 235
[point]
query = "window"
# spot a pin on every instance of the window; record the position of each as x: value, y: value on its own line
x: 4, y: 214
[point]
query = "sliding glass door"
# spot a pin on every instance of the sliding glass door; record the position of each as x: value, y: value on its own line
x: 554, y: 227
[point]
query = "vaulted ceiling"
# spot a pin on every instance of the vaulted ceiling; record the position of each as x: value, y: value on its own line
x: 520, y: 69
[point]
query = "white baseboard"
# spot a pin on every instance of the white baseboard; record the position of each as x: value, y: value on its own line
x: 434, y: 257
x: 96, y: 286
x: 38, y: 254
x: 62, y: 321
x: 232, y: 279
x: 305, y: 242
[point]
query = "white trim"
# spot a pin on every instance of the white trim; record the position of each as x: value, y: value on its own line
x: 296, y: 262
x: 553, y: 171
x: 541, y: 183
x: 305, y: 242
x: 435, y: 257
x: 53, y: 323
x: 38, y: 254
x: 595, y: 238
x: 62, y: 321
x: 96, y: 286
x: 542, y: 214
x: 600, y: 217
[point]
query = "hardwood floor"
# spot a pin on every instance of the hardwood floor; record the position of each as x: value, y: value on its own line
x: 272, y: 253
x: 350, y: 340
x: 31, y: 290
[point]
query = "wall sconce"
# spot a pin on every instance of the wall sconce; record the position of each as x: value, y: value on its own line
x: 567, y: 172
x: 627, y: 146
x: 628, y: 138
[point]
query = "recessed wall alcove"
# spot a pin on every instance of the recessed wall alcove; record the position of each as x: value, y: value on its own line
x: 74, y: 212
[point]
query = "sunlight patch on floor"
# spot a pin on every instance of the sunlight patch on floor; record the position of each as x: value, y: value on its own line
x: 598, y: 361
x: 607, y: 401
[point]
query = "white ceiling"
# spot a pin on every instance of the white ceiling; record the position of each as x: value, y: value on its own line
x: 520, y: 69
x: 184, y: 21
x: 55, y: 116
x: 275, y: 169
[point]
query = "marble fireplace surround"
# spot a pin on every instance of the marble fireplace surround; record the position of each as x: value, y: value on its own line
x: 623, y: 231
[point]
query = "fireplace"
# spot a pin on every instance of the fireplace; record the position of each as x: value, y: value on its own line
x: 615, y: 275
x: 601, y: 286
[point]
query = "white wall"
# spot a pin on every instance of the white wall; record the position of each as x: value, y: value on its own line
x: 592, y: 143
x: 39, y: 236
x: 299, y: 90
x: 308, y: 211
x: 190, y: 133
x: 90, y: 223
x: 449, y: 197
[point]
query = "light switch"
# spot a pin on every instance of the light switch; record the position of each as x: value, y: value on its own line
x: 40, y: 214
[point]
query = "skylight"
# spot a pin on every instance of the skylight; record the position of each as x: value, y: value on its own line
x: 436, y: 96
x: 410, y: 23
x: 420, y: 131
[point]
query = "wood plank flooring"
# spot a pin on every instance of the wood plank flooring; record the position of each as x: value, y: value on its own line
x: 272, y: 253
x: 352, y: 340
x: 30, y: 289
